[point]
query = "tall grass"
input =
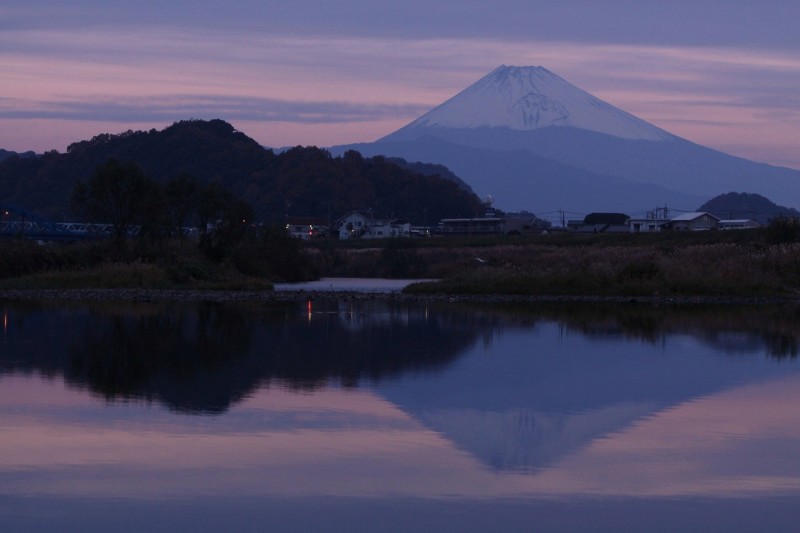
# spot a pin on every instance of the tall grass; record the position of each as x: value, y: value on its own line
x: 731, y: 263
x: 26, y: 265
x: 709, y: 269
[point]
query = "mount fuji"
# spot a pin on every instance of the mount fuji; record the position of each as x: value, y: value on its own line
x: 533, y: 141
x: 530, y: 98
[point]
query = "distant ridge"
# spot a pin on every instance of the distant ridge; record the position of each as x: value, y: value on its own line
x: 7, y: 153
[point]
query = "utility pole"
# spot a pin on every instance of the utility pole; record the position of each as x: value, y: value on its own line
x: 330, y: 222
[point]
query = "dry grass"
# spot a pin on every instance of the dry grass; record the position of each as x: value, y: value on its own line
x: 707, y: 269
x: 126, y: 276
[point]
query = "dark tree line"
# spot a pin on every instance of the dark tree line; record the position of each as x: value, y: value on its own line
x: 121, y: 194
x: 302, y: 181
x: 311, y: 182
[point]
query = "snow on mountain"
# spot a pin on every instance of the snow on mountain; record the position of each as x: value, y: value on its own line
x: 529, y: 98
x: 534, y: 141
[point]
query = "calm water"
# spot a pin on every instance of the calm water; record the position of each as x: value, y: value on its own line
x: 369, y: 416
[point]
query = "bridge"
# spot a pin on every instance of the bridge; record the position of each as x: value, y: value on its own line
x: 20, y: 223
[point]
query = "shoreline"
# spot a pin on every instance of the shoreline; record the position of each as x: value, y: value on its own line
x: 218, y: 296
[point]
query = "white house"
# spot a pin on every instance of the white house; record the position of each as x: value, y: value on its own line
x: 379, y: 229
x: 646, y: 225
x: 352, y: 225
x: 358, y: 226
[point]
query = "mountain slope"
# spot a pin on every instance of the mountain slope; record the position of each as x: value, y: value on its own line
x: 519, y: 179
x: 676, y: 164
x: 635, y: 164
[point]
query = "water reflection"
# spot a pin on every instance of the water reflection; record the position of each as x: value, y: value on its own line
x: 730, y: 328
x: 207, y: 357
x: 732, y: 444
x: 496, y: 413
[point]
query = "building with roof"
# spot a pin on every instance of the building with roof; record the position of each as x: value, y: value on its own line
x: 307, y: 227
x: 356, y: 225
x: 694, y: 221
x: 646, y: 225
x: 739, y: 223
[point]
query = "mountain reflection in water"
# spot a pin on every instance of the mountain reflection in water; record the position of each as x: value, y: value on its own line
x: 502, y: 415
x: 204, y: 358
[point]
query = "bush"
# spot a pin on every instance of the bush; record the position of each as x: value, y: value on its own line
x: 273, y: 255
x: 783, y: 230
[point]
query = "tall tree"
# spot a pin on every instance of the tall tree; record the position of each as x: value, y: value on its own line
x: 182, y: 195
x: 121, y: 195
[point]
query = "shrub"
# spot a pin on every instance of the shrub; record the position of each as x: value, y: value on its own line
x: 783, y: 229
x: 273, y: 255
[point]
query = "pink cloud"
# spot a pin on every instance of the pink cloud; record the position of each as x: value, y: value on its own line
x: 749, y: 93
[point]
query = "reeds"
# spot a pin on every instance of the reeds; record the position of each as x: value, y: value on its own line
x: 649, y: 269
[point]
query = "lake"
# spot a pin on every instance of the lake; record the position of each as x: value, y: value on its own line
x: 374, y: 415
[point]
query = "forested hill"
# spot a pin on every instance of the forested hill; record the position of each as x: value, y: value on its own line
x: 302, y: 181
x: 746, y: 205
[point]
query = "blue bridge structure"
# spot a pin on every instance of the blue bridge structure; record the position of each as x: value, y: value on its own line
x: 20, y: 223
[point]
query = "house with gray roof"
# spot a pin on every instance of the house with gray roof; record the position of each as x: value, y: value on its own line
x: 693, y: 221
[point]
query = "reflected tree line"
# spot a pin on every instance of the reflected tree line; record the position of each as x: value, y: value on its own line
x: 729, y: 328
x: 206, y: 357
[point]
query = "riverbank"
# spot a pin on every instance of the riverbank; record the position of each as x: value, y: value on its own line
x: 217, y: 296
x: 722, y: 264
x: 745, y: 266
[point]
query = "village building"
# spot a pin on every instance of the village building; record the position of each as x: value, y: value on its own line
x: 655, y: 220
x: 352, y: 226
x: 491, y: 223
x: 356, y: 225
x: 646, y: 225
x: 739, y: 223
x: 694, y: 221
x: 472, y: 226
x: 307, y: 227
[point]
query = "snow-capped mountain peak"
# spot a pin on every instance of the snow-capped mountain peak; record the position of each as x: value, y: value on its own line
x: 528, y: 98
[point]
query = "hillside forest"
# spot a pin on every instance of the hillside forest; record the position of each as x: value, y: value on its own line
x: 300, y: 181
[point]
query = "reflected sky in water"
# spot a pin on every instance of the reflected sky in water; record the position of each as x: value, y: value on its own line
x: 472, y: 420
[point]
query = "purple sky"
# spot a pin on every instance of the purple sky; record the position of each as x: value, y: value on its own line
x: 725, y: 74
